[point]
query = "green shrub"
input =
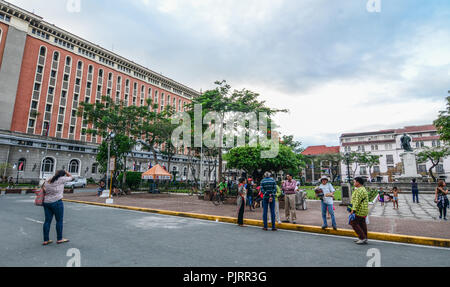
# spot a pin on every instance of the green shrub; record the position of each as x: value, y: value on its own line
x: 133, y: 179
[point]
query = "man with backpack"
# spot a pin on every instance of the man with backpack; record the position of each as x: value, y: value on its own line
x: 269, y: 189
x: 359, y: 210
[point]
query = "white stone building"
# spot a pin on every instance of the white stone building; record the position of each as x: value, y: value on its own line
x: 387, y: 144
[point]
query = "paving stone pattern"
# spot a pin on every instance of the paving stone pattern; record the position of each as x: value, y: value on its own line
x: 426, y: 209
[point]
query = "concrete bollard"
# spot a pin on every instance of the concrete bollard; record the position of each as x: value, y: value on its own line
x: 3, y: 192
x: 23, y: 192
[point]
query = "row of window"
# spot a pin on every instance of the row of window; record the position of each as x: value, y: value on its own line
x: 48, y: 166
x: 5, y: 17
x: 64, y: 44
x: 40, y: 34
x: 99, y: 90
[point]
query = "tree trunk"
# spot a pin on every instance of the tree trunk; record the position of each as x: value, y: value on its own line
x: 430, y: 171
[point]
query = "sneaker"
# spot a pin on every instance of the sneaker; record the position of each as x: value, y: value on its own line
x: 360, y: 242
x: 324, y: 227
x: 445, y: 218
x: 334, y: 228
x: 366, y: 241
x: 293, y: 222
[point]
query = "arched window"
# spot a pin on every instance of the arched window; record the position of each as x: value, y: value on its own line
x: 100, y: 73
x: 1, y: 34
x: 55, y: 56
x: 43, y: 51
x: 22, y: 163
x: 74, y: 166
x: 80, y: 65
x: 91, y: 69
x: 68, y: 61
x: 48, y: 165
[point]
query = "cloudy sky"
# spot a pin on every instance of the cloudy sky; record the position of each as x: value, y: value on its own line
x: 336, y: 66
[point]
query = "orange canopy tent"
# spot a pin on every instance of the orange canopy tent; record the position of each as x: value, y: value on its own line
x: 156, y: 172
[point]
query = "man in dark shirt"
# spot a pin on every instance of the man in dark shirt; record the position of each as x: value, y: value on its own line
x: 269, y: 189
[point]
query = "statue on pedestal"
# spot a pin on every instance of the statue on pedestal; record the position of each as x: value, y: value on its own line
x: 406, y: 142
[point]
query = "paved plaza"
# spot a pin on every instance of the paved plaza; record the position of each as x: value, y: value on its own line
x: 113, y: 237
x: 424, y: 210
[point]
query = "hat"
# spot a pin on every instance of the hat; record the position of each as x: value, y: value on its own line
x: 324, y: 177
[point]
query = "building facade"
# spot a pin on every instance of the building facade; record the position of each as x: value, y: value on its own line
x: 321, y: 163
x: 387, y: 144
x: 45, y: 73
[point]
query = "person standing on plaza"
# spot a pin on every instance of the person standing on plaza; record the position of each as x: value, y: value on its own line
x: 381, y: 196
x: 278, y: 196
x: 53, y: 205
x: 360, y: 210
x: 269, y: 189
x: 242, y: 194
x: 288, y: 188
x: 249, y: 188
x: 415, y: 190
x: 327, y: 202
x: 441, y: 199
x: 395, y: 192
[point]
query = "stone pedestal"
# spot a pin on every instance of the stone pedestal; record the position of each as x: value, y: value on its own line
x: 409, y: 167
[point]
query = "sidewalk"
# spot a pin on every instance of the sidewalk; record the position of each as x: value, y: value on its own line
x: 312, y: 216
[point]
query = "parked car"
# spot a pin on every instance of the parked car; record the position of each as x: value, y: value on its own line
x: 77, y: 182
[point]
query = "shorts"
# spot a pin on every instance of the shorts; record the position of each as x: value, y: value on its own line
x: 381, y: 198
x: 395, y: 198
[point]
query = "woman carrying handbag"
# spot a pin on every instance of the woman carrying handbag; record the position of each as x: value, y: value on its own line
x: 53, y: 191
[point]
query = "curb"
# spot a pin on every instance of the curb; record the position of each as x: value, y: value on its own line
x: 430, y: 241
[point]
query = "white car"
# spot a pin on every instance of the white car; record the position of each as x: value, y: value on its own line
x: 77, y: 182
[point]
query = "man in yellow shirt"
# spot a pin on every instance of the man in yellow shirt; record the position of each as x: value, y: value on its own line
x: 360, y: 208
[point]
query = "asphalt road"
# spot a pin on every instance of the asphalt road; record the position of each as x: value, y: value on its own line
x: 113, y: 237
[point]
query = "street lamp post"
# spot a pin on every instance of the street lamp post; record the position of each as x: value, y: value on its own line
x: 347, y: 161
x: 107, y: 192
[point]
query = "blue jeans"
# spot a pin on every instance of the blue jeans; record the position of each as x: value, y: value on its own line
x: 324, y: 214
x: 54, y: 209
x: 415, y: 196
x: 266, y: 205
x: 249, y: 200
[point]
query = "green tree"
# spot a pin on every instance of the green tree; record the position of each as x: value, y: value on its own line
x: 296, y: 146
x: 108, y: 116
x: 442, y: 123
x: 334, y: 160
x: 226, y: 103
x: 434, y: 155
x: 369, y: 160
x: 249, y: 159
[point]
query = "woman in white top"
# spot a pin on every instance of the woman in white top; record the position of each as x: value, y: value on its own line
x: 53, y: 205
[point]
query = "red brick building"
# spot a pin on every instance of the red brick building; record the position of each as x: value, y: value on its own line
x: 45, y: 73
x: 317, y: 167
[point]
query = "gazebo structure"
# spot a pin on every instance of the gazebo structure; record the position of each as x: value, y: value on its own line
x: 156, y: 173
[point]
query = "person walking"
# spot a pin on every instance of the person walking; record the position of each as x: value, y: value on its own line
x: 53, y: 205
x: 415, y: 190
x: 441, y: 199
x: 327, y: 203
x: 242, y: 194
x: 269, y: 190
x: 288, y: 188
x: 359, y: 210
